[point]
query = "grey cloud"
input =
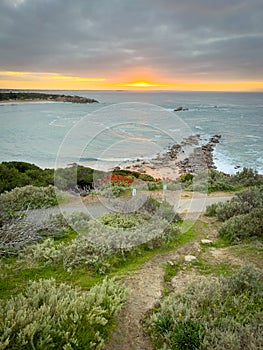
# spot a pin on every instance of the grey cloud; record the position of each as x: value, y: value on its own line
x: 102, y: 37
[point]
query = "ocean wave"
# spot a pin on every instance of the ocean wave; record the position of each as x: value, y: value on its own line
x: 254, y: 137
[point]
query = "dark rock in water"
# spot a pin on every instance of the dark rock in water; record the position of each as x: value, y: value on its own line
x: 215, y: 138
x: 237, y: 167
x: 178, y: 109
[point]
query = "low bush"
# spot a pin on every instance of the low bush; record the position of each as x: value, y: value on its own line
x: 81, y: 252
x: 99, y: 240
x: 22, y: 198
x: 151, y: 205
x: 243, y: 227
x: 50, y: 316
x: 186, y: 177
x: 246, y: 177
x: 20, y: 232
x: 214, y: 180
x: 109, y: 190
x: 123, y: 220
x: 216, y: 314
x: 75, y: 220
x: 152, y: 186
x: 166, y: 212
x: 243, y: 203
x: 146, y: 177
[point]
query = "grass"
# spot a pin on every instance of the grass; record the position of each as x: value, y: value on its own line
x: 252, y: 252
x: 15, y: 275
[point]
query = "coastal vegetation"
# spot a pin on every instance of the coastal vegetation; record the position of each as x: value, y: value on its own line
x: 48, y: 316
x: 220, y: 304
x: 56, y: 287
x: 74, y: 177
x: 241, y: 216
x: 46, y: 277
x: 214, y: 180
x: 215, y: 313
x: 81, y: 179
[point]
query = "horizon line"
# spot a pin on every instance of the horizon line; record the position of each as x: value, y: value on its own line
x: 135, y: 90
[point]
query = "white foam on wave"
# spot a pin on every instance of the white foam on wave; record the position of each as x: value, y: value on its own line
x: 224, y: 163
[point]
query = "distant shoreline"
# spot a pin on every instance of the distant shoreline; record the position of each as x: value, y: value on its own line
x: 20, y: 97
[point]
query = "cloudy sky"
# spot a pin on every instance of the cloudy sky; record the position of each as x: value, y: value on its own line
x: 119, y: 44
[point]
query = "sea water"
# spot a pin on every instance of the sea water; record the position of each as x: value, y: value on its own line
x: 129, y: 125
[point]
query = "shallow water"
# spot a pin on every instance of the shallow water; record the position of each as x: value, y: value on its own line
x: 35, y: 132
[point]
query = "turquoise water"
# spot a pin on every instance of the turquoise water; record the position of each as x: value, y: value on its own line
x: 50, y: 134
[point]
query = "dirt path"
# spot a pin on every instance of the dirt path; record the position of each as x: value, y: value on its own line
x: 146, y: 287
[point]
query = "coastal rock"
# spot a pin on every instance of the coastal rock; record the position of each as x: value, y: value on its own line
x: 179, y: 109
x: 190, y: 258
x: 73, y: 99
x: 33, y: 96
x: 215, y: 139
x: 206, y: 241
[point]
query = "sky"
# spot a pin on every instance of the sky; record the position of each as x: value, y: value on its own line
x: 210, y: 45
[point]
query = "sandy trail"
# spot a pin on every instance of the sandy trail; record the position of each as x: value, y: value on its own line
x: 146, y: 287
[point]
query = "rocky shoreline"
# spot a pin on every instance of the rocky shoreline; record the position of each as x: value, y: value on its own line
x: 189, y: 156
x: 35, y: 97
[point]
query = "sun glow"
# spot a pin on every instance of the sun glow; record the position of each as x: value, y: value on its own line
x: 150, y: 81
x: 142, y: 83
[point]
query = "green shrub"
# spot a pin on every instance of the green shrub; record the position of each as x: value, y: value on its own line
x: 110, y: 190
x: 49, y: 316
x: 216, y: 314
x: 81, y: 252
x: 186, y: 177
x: 75, y: 220
x: 166, y: 212
x: 232, y: 208
x: 151, y: 205
x: 146, y: 177
x: 19, y: 174
x: 243, y: 227
x: 211, y: 209
x: 152, y: 186
x: 215, y: 180
x: 32, y: 197
x: 246, y: 177
x: 243, y: 203
x: 123, y: 220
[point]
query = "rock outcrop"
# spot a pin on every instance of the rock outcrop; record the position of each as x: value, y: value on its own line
x: 179, y: 109
x: 72, y: 99
x: 38, y: 96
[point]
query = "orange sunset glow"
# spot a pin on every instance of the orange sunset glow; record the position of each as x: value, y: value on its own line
x: 56, y: 81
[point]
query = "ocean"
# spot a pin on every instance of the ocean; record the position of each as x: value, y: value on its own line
x: 129, y: 125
